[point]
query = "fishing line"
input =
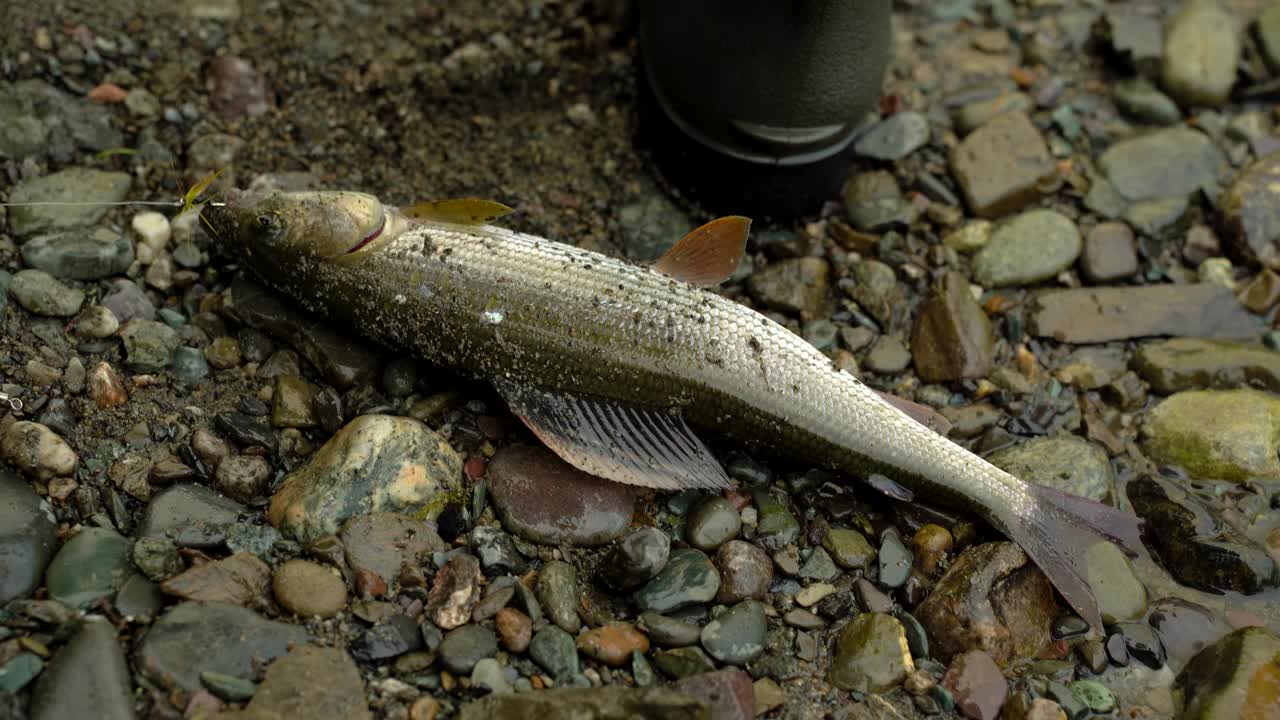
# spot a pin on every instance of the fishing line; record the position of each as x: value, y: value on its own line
x: 14, y: 403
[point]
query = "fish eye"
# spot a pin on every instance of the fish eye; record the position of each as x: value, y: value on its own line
x: 266, y: 221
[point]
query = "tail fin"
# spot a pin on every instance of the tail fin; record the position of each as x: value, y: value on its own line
x: 1057, y: 530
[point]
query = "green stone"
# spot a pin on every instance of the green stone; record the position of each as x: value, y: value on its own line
x: 1219, y: 434
x: 871, y: 654
x: 22, y: 669
x: 776, y: 525
x: 712, y: 523
x: 819, y: 566
x: 228, y: 687
x: 849, y: 548
x: 1120, y: 594
x: 1063, y: 462
x: 90, y: 566
x: 689, y: 578
x: 1074, y: 707
x: 1192, y: 363
x: 1162, y: 163
x: 291, y: 402
x: 682, y: 662
x: 554, y: 651
x: 641, y: 670
x: 1034, y: 246
x: 1094, y: 694
x: 736, y: 636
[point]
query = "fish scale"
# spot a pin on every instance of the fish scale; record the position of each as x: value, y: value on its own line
x: 574, y: 335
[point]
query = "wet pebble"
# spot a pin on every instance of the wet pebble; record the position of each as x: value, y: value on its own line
x: 894, y: 560
x: 391, y: 637
x: 875, y: 203
x: 669, y: 632
x: 819, y: 566
x: 1225, y: 434
x: 888, y: 355
x: 375, y: 463
x: 711, y: 523
x: 952, y: 337
x: 683, y: 662
x: 557, y: 591
x: 554, y: 650
x: 1094, y: 694
x: 149, y: 345
x: 323, y: 682
x: 1063, y: 462
x: 90, y: 566
x: 541, y: 498
x: 191, y: 514
x: 1202, y: 47
x: 105, y: 387
x: 1109, y: 254
x: 385, y: 544
x: 1161, y: 164
x: 88, y: 677
x: 292, y: 402
x: 613, y: 644
x: 737, y: 635
x: 515, y: 629
x: 242, y: 477
x: 1029, y: 248
x: 870, y: 654
x: 728, y: 692
x: 1139, y: 98
x: 1002, y: 166
x: 745, y: 572
x: 310, y: 590
x: 637, y: 558
x: 1250, y: 218
x: 156, y: 557
x: 689, y: 578
x: 895, y: 137
x: 465, y: 646
x: 79, y: 254
x: 929, y: 545
x: 978, y: 685
x: 455, y: 592
x: 497, y: 552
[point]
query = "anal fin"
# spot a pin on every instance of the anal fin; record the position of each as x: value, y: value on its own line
x: 618, y: 442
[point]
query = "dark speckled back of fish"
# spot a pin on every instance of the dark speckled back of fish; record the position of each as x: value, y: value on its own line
x: 618, y: 367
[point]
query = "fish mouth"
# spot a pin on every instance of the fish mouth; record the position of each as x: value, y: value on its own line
x: 372, y: 235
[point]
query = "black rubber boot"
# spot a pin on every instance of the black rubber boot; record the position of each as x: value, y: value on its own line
x: 750, y: 106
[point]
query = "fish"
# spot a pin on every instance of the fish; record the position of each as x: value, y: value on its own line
x: 622, y: 368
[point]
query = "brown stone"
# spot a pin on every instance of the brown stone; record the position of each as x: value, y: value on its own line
x: 952, y: 338
x: 992, y: 599
x: 238, y: 580
x: 1109, y: 253
x: 613, y: 644
x: 308, y: 589
x: 105, y: 387
x: 1094, y: 315
x: 728, y: 692
x: 1003, y: 166
x: 977, y: 684
x: 515, y: 629
x: 1250, y: 212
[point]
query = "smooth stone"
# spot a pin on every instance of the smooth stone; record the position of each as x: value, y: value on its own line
x: 894, y: 560
x: 636, y: 559
x: 557, y: 590
x: 139, y: 599
x: 991, y: 598
x: 1140, y: 99
x: 227, y: 687
x: 871, y: 654
x: 1103, y: 314
x: 386, y: 543
x: 689, y: 578
x: 728, y: 693
x: 888, y: 355
x: 488, y: 674
x: 1142, y: 643
x: 952, y: 337
x: 683, y: 662
x: 231, y: 641
x: 240, y: 579
x: 1162, y: 163
x: 1116, y: 587
x: 292, y: 403
x: 374, y: 463
x: 1109, y: 254
x: 819, y: 566
x: 613, y: 644
x: 712, y: 522
x: 308, y: 589
x: 874, y: 202
x: 149, y: 345
x: 79, y: 255
x: 37, y: 451
x: 189, y: 365
x: 1185, y: 628
x: 1003, y: 166
x: 737, y: 635
x: 745, y: 572
x: 669, y: 632
x: 1094, y: 694
x: 19, y: 671
x: 554, y: 650
x: 895, y: 137
x: 1249, y: 213
x: 38, y: 292
x: 1202, y: 48
x: 28, y: 537
x: 90, y: 566
x: 1063, y: 462
x: 1153, y: 218
x: 497, y: 551
x: 1237, y: 677
x: 1221, y: 434
x: 977, y: 684
x: 157, y: 557
x: 191, y: 515
x: 543, y: 499
x: 92, y: 191
x: 604, y: 703
x: 465, y: 646
x: 1033, y: 246
x: 794, y: 285
x: 342, y: 361
x: 88, y: 677
x: 1181, y: 364
x: 973, y: 115
x: 319, y: 683
x: 127, y: 301
x: 242, y: 477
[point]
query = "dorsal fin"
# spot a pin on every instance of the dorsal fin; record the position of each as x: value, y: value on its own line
x: 622, y: 443
x: 708, y: 255
x: 460, y: 211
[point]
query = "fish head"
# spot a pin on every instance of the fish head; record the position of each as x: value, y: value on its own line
x: 280, y: 230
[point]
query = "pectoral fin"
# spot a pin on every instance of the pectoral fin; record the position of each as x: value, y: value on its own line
x: 625, y: 444
x: 922, y: 414
x: 708, y: 255
x: 462, y: 211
